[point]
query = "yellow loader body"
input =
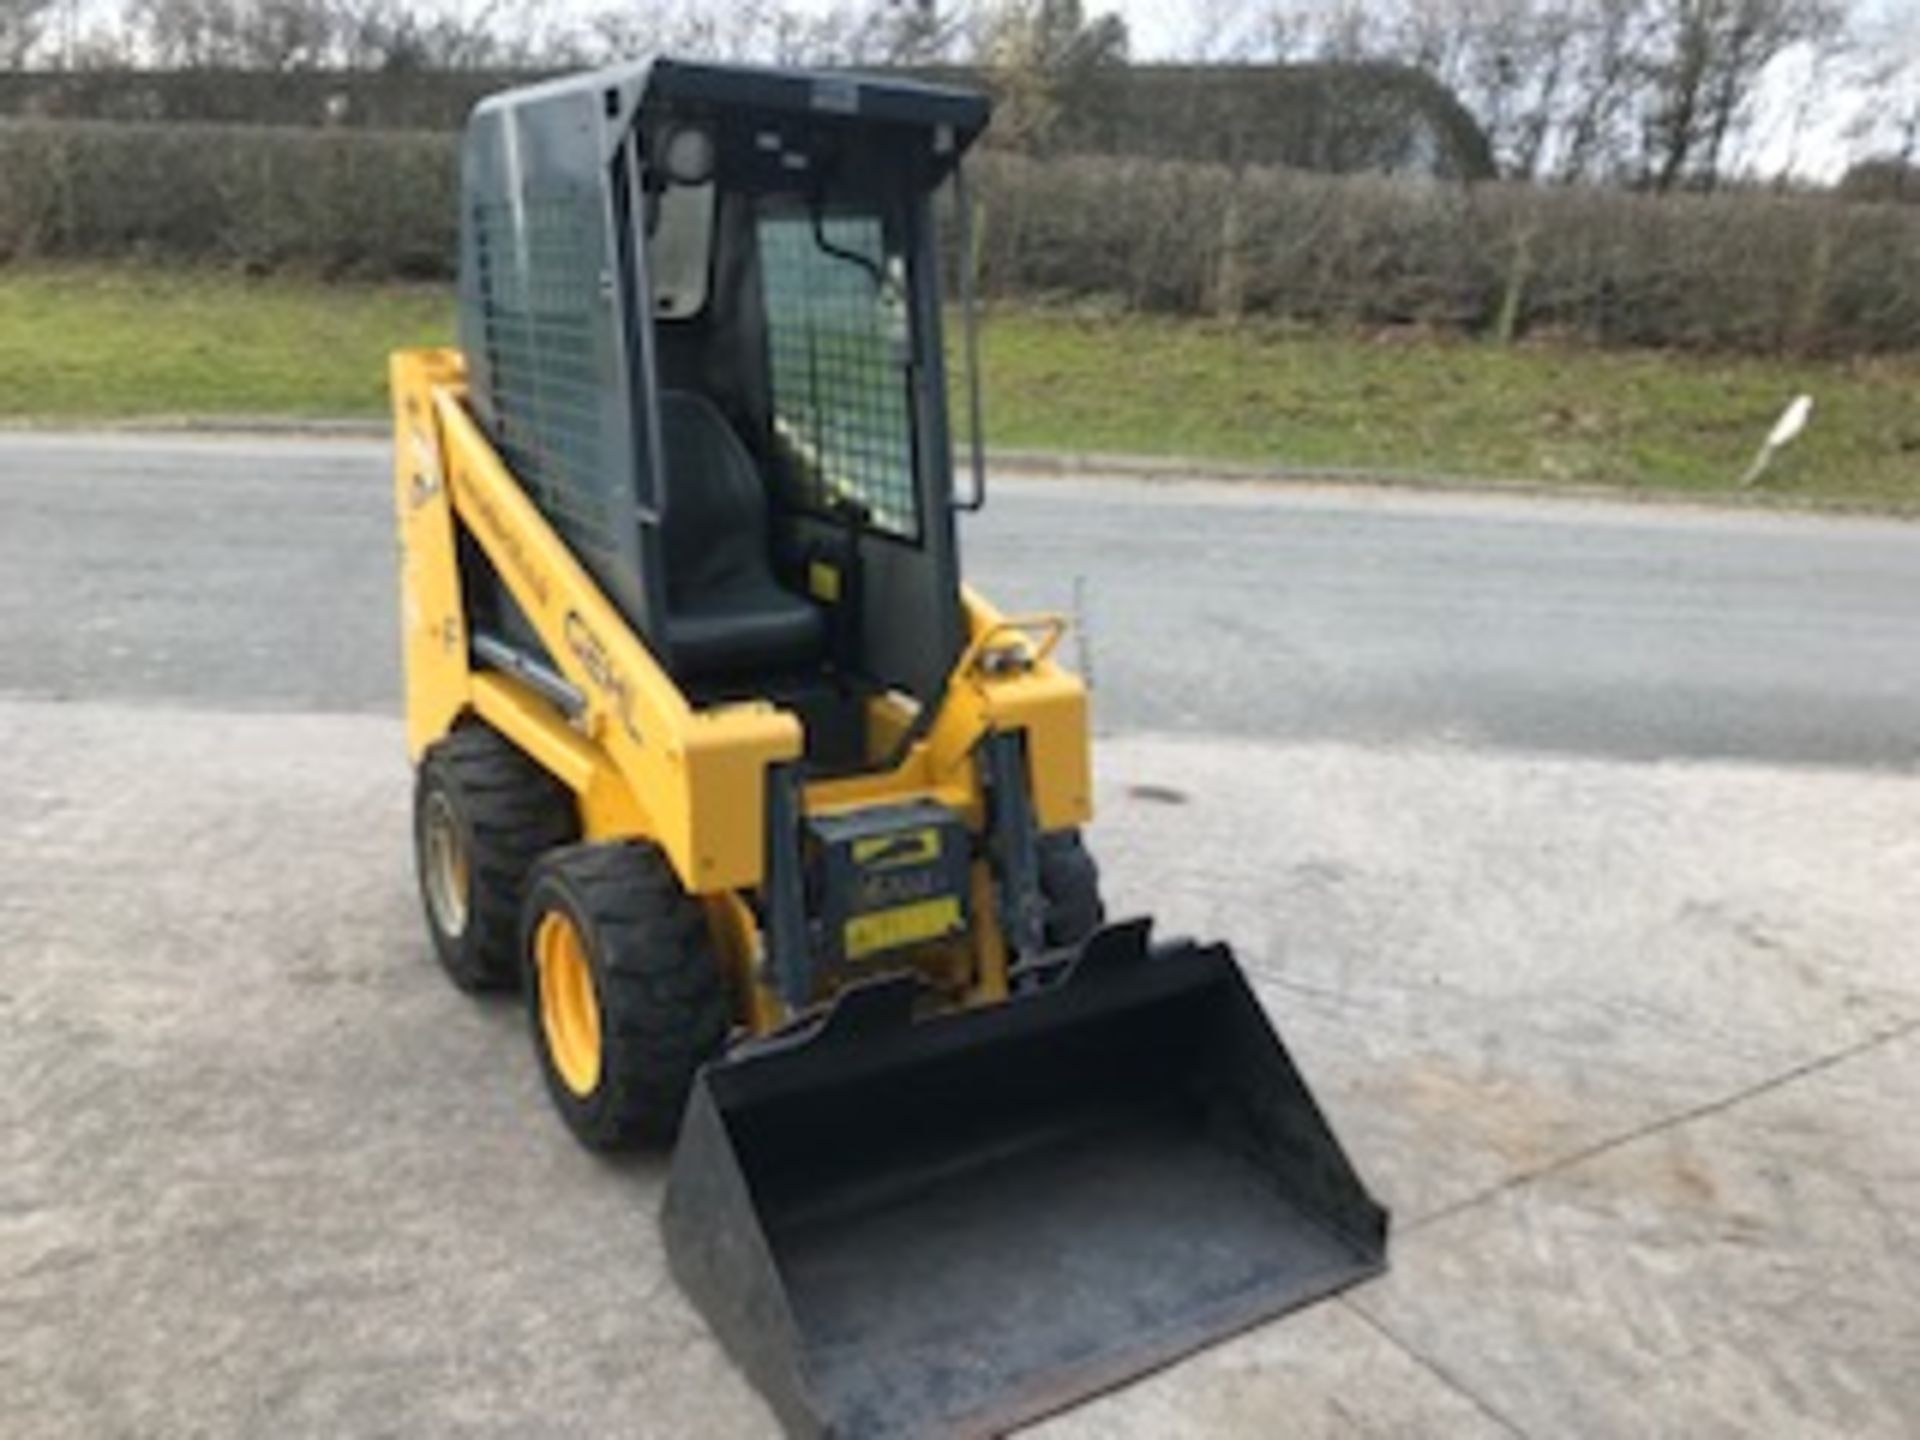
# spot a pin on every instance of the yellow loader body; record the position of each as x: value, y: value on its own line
x: 643, y: 762
x: 776, y: 822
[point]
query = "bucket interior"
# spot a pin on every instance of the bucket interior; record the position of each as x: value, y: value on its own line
x: 974, y: 1229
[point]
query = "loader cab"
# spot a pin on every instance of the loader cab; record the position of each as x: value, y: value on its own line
x: 701, y: 306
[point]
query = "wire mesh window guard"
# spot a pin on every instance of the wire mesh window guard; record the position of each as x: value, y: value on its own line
x: 540, y: 342
x: 837, y: 349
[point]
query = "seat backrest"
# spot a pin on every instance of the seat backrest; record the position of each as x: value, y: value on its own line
x: 715, y: 531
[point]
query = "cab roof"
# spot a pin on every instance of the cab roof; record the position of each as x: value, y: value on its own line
x: 845, y: 96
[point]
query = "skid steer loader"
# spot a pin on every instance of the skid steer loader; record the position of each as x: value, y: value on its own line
x: 776, y: 822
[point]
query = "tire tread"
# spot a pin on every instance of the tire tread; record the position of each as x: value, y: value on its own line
x: 515, y: 813
x: 1070, y: 885
x: 664, y: 1010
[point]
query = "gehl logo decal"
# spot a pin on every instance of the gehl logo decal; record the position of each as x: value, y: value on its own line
x: 599, y: 666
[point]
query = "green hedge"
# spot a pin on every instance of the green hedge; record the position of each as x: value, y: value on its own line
x: 1749, y: 272
x: 340, y: 202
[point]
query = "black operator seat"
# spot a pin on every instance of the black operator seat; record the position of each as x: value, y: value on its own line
x: 726, y: 613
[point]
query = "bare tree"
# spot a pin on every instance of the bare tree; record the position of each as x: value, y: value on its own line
x: 916, y: 32
x: 621, y: 32
x: 1606, y: 68
x: 285, y: 34
x: 1703, y: 61
x: 346, y: 34
x: 1226, y: 32
x: 1039, y: 54
x: 1542, y: 66
x: 298, y: 34
x: 23, y: 24
x: 1885, y: 125
x: 1329, y: 30
x: 1659, y: 91
x: 1511, y: 62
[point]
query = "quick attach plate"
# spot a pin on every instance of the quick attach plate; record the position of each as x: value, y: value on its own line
x: 887, y: 878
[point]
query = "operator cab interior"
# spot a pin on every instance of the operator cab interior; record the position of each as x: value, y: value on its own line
x: 800, y: 513
x: 701, y: 318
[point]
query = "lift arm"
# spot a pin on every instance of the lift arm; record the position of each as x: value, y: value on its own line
x: 692, y: 781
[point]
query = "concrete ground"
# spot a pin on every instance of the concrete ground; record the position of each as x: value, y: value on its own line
x: 1594, y: 937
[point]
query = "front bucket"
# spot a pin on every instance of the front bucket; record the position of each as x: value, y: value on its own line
x: 955, y: 1225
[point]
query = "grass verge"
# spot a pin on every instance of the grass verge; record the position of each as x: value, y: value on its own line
x: 84, y: 343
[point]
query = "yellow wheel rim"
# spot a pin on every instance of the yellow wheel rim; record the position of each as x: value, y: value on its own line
x: 444, y: 859
x: 569, y: 1012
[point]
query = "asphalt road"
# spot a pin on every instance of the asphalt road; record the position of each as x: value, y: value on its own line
x: 258, y: 574
x: 1628, y: 1048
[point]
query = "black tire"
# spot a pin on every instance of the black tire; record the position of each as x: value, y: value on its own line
x: 661, y: 1001
x: 1070, y: 884
x: 505, y: 812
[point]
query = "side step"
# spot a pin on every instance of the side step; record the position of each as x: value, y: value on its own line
x: 956, y: 1225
